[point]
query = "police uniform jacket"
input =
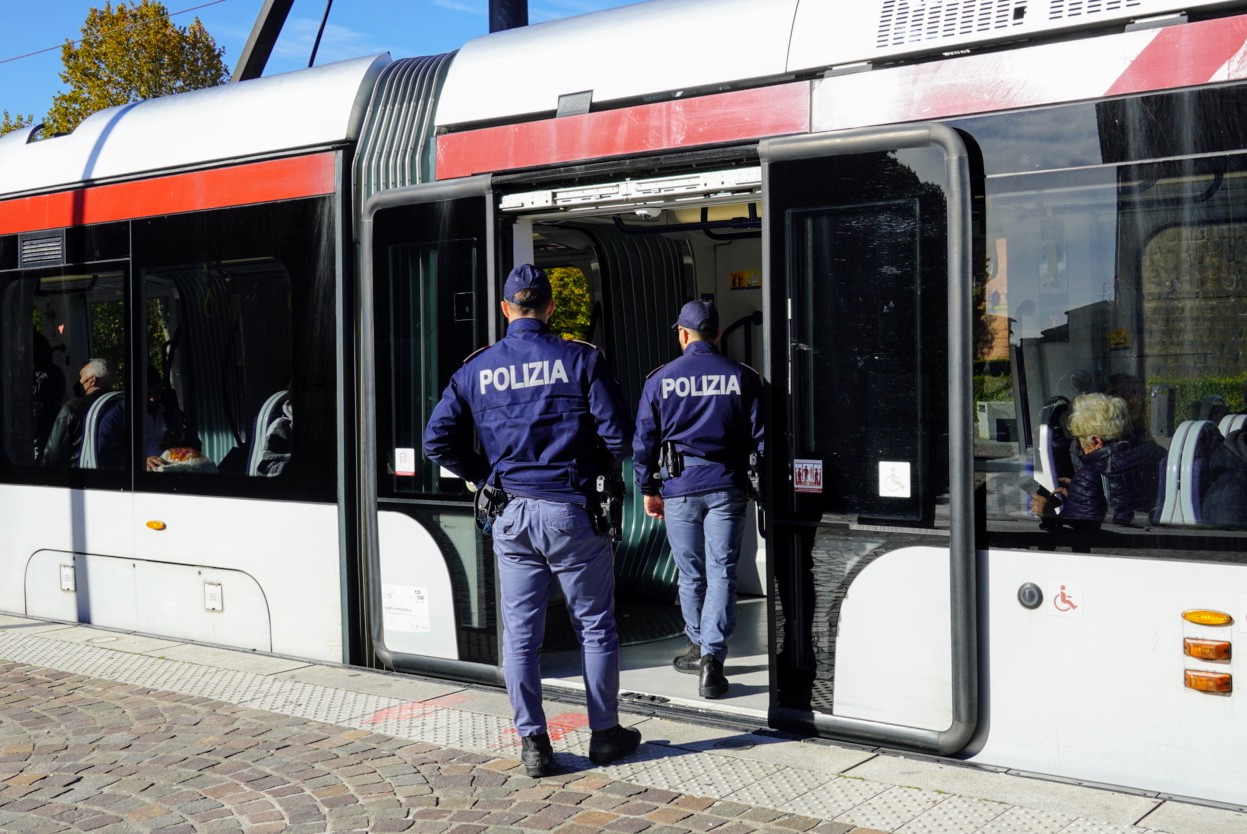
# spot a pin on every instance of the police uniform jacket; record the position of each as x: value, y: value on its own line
x: 711, y: 408
x: 550, y: 414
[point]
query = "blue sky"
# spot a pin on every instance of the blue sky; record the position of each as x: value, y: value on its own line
x: 356, y: 27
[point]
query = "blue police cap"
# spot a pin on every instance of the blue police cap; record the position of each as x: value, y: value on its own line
x: 527, y: 277
x: 699, y: 316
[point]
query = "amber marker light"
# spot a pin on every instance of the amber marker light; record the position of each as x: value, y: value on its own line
x: 1206, y: 616
x: 156, y: 525
x: 1206, y: 649
x: 1208, y: 681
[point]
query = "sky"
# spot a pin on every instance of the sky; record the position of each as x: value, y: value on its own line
x: 33, y: 32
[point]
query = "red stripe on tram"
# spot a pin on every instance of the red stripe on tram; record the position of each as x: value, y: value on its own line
x: 238, y: 185
x: 703, y: 120
x: 1183, y: 56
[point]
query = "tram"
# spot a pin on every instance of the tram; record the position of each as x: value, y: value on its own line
x: 929, y: 224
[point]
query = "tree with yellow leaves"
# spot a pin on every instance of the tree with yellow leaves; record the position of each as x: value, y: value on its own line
x: 9, y: 122
x: 129, y: 53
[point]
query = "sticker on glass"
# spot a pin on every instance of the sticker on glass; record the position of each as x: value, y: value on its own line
x: 807, y: 476
x: 894, y: 481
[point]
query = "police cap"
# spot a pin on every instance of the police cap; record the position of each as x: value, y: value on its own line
x: 699, y: 316
x: 530, y: 284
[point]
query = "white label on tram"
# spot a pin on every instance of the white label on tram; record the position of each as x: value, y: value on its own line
x: 213, y: 597
x: 807, y: 475
x: 1063, y: 599
x: 405, y: 462
x: 1241, y: 613
x: 405, y: 608
x: 894, y: 480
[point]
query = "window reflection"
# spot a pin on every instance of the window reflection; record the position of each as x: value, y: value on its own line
x: 1124, y: 281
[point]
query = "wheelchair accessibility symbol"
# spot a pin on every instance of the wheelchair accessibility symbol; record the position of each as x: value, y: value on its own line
x: 1065, y: 602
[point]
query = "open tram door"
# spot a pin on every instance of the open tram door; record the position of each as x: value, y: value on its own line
x: 427, y: 301
x: 868, y: 250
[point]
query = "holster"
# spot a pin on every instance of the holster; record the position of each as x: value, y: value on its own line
x: 607, y: 508
x: 754, y: 474
x: 670, y: 461
x: 490, y: 502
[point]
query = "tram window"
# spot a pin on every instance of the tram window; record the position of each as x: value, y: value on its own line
x: 236, y: 339
x: 868, y: 417
x: 431, y: 310
x: 64, y: 366
x: 1127, y: 281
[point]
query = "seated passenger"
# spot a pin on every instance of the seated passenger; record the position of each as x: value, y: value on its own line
x: 165, y: 426
x: 278, y: 442
x: 49, y: 392
x: 64, y: 448
x: 1098, y: 423
x: 1225, y: 503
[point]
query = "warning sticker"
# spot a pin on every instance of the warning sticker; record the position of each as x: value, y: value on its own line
x: 807, y: 476
x: 405, y: 608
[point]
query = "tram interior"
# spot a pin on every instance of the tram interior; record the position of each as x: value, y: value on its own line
x: 640, y: 265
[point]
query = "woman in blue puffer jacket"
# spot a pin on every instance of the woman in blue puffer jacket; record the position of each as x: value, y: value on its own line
x: 1098, y: 423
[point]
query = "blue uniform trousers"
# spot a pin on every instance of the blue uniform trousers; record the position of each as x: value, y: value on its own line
x: 705, y: 533
x: 536, y: 540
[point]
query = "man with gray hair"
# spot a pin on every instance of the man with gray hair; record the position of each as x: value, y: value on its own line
x: 95, y: 379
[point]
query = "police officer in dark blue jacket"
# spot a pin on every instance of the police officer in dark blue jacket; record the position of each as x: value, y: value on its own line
x: 551, y: 417
x: 699, y: 419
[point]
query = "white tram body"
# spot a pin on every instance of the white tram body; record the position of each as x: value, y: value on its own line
x: 899, y: 206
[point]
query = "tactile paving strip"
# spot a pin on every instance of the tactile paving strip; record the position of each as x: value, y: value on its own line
x: 955, y: 815
x: 1027, y: 821
x: 318, y: 703
x: 470, y: 731
x: 1086, y: 826
x: 786, y: 784
x: 834, y: 798
x: 722, y: 774
x: 893, y: 808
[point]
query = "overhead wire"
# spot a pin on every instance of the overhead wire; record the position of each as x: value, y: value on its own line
x: 60, y: 46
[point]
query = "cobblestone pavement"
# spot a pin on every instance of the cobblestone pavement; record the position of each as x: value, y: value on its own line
x: 111, y: 731
x: 85, y: 754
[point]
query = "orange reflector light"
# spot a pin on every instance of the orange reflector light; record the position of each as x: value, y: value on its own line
x: 1208, y: 681
x: 1206, y: 616
x: 156, y: 525
x: 1206, y: 649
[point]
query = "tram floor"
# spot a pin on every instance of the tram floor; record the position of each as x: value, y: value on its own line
x: 646, y: 674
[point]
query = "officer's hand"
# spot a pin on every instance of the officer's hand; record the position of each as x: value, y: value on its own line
x: 654, y: 506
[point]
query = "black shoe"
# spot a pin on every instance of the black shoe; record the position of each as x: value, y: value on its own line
x: 690, y: 662
x: 607, y: 745
x: 713, y: 684
x: 536, y: 754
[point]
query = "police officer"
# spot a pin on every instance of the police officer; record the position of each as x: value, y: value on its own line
x: 700, y: 417
x: 551, y: 417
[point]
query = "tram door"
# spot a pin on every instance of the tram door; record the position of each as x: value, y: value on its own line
x: 427, y: 302
x: 867, y: 248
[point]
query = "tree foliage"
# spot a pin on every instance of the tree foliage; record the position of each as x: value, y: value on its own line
x: 572, y: 302
x: 129, y: 53
x: 11, y: 123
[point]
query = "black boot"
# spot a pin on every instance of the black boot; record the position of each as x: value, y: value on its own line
x: 713, y: 683
x: 607, y: 745
x: 690, y: 662
x: 536, y: 754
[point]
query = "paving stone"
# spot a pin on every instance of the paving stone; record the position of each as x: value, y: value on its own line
x: 158, y: 749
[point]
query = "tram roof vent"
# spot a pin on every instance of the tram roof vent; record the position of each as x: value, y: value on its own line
x: 907, y: 22
x: 41, y: 248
